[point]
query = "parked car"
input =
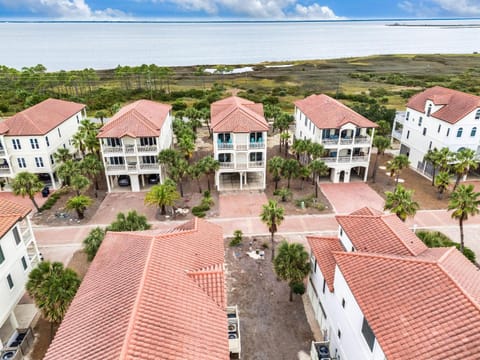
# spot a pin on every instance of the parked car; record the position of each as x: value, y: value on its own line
x: 124, y: 180
x: 153, y: 179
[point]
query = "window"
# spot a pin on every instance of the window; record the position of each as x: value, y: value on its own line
x: 224, y: 138
x: 306, y: 121
x: 21, y: 163
x: 52, y: 160
x: 474, y: 131
x: 368, y: 334
x: 24, y: 263
x: 341, y: 232
x: 343, y: 303
x: 439, y: 127
x: 117, y: 160
x: 339, y: 333
x: 224, y: 157
x: 314, y: 130
x: 10, y: 281
x: 149, y: 159
x: 34, y: 143
x: 256, y: 156
x: 148, y: 141
x: 39, y: 162
x: 47, y: 141
x: 424, y: 131
x: 16, y: 235
x: 2, y: 256
x: 430, y: 146
x: 256, y: 137
x: 429, y: 109
x: 78, y: 120
x: 324, y: 284
x: 448, y: 132
x: 420, y: 119
x: 59, y: 133
x: 407, y: 116
x: 16, y: 144
x: 113, y: 142
x: 477, y: 115
x: 459, y: 132
x: 408, y: 134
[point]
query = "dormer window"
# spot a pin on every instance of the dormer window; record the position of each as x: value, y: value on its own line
x: 477, y: 115
x: 429, y: 109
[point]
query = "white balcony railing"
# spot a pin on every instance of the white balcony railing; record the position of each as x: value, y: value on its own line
x: 112, y: 149
x: 224, y: 146
x: 130, y: 149
x: 4, y: 169
x: 242, y: 165
x: 363, y: 139
x: 116, y: 167
x: 2, y: 152
x: 241, y: 147
x: 345, y: 159
x: 132, y: 167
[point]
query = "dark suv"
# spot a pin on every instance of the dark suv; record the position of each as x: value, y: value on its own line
x: 124, y: 180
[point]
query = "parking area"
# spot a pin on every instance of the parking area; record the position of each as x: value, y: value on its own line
x: 242, y: 204
x: 346, y: 198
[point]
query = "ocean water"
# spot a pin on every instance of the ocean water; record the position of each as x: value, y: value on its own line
x: 71, y: 46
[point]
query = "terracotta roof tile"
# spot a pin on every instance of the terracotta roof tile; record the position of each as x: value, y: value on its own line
x: 413, y: 305
x: 40, y: 118
x: 10, y: 214
x: 235, y: 114
x: 150, y: 297
x: 328, y: 113
x: 323, y: 249
x: 383, y: 234
x: 367, y: 211
x: 142, y: 118
x: 456, y: 104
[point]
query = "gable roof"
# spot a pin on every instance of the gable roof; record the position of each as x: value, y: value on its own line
x: 235, y: 114
x: 381, y: 234
x: 323, y: 249
x: 40, y: 118
x: 456, y: 104
x: 150, y: 296
x: 328, y: 113
x: 414, y: 306
x: 142, y: 118
x: 10, y: 214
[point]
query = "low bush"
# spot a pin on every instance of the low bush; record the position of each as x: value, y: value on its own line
x: 51, y: 201
x: 237, y: 238
x: 298, y: 288
x: 310, y: 202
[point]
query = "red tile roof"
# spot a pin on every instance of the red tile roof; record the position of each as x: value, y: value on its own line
x: 328, y: 113
x: 456, y: 104
x: 323, y: 249
x: 235, y: 114
x: 142, y: 118
x: 414, y: 306
x: 367, y: 211
x: 41, y: 118
x: 382, y: 234
x: 10, y: 214
x: 150, y: 297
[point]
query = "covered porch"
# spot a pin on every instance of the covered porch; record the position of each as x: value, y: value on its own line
x: 242, y: 180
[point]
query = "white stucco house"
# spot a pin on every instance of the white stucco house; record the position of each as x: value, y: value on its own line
x: 379, y: 293
x: 18, y: 256
x: 29, y: 138
x: 346, y: 135
x: 239, y: 144
x: 130, y: 143
x: 436, y: 118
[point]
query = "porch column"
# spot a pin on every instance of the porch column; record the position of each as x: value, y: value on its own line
x: 52, y: 178
x: 241, y: 181
x: 365, y: 176
x: 109, y: 187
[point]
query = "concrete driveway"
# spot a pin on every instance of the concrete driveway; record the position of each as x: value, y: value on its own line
x: 346, y: 198
x: 241, y: 204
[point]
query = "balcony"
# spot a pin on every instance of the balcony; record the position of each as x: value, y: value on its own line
x: 130, y: 149
x: 241, y: 147
x: 132, y: 167
x: 5, y: 169
x: 345, y: 159
x: 3, y: 152
x: 357, y: 140
x: 242, y: 165
x: 225, y: 146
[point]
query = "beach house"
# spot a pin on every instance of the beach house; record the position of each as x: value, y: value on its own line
x: 29, y: 138
x: 155, y: 295
x: 436, y: 118
x: 18, y: 256
x: 345, y: 135
x: 379, y: 293
x: 239, y: 144
x: 130, y: 143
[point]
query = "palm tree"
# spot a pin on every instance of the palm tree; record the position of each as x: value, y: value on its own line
x: 186, y: 144
x: 130, y: 222
x: 195, y: 171
x: 52, y: 287
x: 318, y: 168
x: 290, y: 168
x: 179, y: 172
x: 78, y: 141
x: 101, y: 114
x: 79, y: 183
x: 399, y: 162
x: 284, y: 194
x: 92, y: 242
x: 442, y: 181
x: 162, y: 195
x: 304, y: 173
x: 381, y: 143
x: 27, y: 184
x: 209, y: 166
x: 67, y: 170
x: 465, y: 160
x: 79, y: 203
x: 90, y: 166
x: 464, y: 202
x: 401, y: 202
x: 292, y: 264
x: 168, y: 158
x: 62, y: 155
x: 433, y: 157
x: 275, y: 165
x: 315, y: 151
x: 272, y: 215
x: 445, y: 158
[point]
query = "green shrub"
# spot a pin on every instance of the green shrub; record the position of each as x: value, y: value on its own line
x: 298, y: 288
x: 237, y: 238
x: 310, y: 202
x: 51, y: 201
x: 199, y: 211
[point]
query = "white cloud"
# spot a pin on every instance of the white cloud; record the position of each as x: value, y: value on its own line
x: 64, y: 9
x: 261, y: 9
x: 429, y: 8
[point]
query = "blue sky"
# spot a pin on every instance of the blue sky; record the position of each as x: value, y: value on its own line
x: 233, y: 9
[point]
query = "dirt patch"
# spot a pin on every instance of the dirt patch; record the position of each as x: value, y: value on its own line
x: 424, y: 193
x: 271, y: 326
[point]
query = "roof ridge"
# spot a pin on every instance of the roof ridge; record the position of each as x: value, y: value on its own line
x: 135, y: 308
x: 387, y: 256
x: 439, y: 263
x: 146, y: 121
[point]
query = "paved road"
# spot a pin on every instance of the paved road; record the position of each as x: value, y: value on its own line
x: 59, y: 243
